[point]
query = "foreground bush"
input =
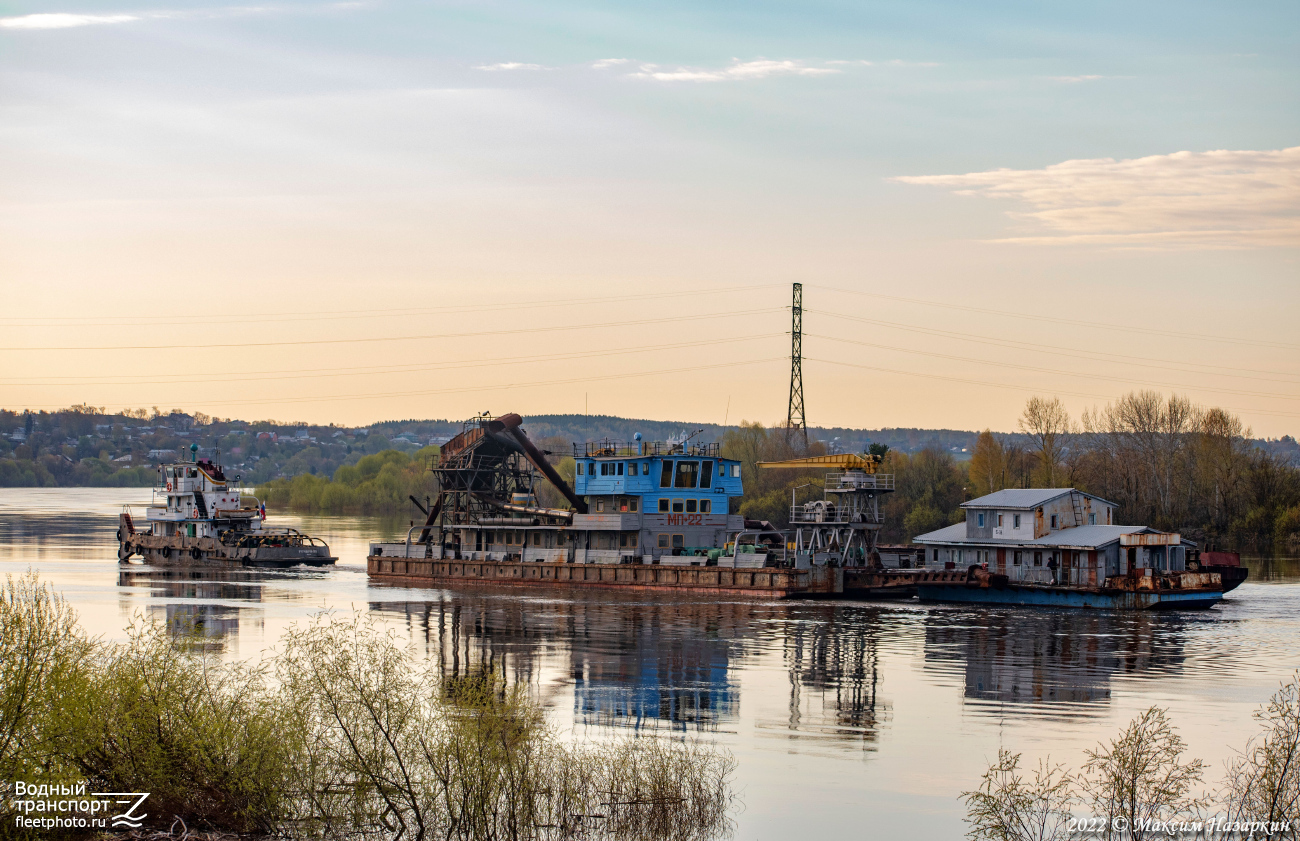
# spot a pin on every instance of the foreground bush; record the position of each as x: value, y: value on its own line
x: 1140, y: 784
x: 343, y: 734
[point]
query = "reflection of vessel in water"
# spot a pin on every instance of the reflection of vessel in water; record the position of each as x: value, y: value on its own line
x: 1059, y: 547
x: 631, y: 664
x: 202, y: 601
x: 668, y: 663
x: 1051, y: 658
x: 644, y: 515
x: 202, y: 517
x: 836, y: 662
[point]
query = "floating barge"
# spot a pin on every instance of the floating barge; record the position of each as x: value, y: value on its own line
x: 198, y: 516
x: 642, y: 515
x: 1060, y: 547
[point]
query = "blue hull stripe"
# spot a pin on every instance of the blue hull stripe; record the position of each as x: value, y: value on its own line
x: 1058, y: 597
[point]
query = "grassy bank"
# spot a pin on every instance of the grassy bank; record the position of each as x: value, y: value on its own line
x: 375, y: 484
x: 341, y: 734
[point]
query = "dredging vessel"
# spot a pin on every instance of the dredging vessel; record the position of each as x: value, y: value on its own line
x: 647, y: 515
x: 198, y: 515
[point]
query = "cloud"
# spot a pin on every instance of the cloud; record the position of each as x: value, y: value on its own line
x: 1220, y: 199
x: 1075, y: 79
x: 59, y: 20
x: 509, y: 65
x: 609, y: 62
x: 738, y: 70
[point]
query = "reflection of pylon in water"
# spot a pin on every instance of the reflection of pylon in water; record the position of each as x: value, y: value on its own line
x: 794, y: 418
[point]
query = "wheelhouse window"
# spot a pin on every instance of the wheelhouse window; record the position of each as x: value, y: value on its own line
x: 580, y: 466
x: 706, y: 474
x: 688, y: 474
x: 666, y: 475
x: 735, y: 471
x: 645, y: 468
x: 706, y: 505
x: 631, y: 468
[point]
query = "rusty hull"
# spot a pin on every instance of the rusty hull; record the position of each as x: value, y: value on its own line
x: 766, y: 583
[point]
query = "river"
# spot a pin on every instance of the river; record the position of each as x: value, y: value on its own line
x: 848, y: 719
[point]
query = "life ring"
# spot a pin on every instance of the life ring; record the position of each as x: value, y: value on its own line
x: 119, y: 535
x: 169, y: 486
x: 196, y: 553
x: 167, y: 551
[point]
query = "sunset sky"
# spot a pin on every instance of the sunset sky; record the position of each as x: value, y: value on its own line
x: 357, y: 211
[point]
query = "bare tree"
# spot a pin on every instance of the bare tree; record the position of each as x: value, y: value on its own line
x: 1139, y: 778
x: 1010, y: 806
x: 1047, y: 422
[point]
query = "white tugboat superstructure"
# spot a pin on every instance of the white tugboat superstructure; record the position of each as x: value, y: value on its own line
x: 200, y: 515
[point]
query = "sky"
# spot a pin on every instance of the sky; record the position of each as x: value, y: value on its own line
x: 350, y: 212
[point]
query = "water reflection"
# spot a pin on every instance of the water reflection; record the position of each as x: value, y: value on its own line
x: 196, y: 600
x: 832, y: 658
x: 1048, y: 662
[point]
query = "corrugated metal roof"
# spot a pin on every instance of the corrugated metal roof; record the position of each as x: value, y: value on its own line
x: 1026, y: 498
x: 1081, y: 536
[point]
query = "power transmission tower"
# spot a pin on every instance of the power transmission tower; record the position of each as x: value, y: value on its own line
x: 795, y: 418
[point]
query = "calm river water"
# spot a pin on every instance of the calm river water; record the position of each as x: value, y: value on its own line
x: 848, y: 719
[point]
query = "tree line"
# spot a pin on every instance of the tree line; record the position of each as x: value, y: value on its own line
x: 1165, y: 461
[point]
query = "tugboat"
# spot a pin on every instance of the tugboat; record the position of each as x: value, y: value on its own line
x: 199, y: 516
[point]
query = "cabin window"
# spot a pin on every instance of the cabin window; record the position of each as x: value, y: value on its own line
x: 735, y: 471
x: 1038, y: 559
x: 622, y: 540
x: 1015, y: 521
x: 691, y: 506
x: 688, y: 474
x: 706, y: 505
x: 1053, y: 521
x: 1015, y: 558
x: 622, y: 504
x: 600, y: 503
x: 620, y: 468
x: 1092, y: 519
x: 559, y: 538
x: 678, y: 506
x: 631, y: 540
x: 981, y: 519
x: 663, y: 541
x: 632, y: 504
x: 537, y: 538
x: 999, y: 521
x: 678, y: 541
x: 663, y: 506
x: 706, y: 475
x: 645, y: 468
x: 579, y: 468
x: 666, y: 475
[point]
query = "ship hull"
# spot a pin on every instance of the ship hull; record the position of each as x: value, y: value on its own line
x: 178, y: 550
x: 765, y: 583
x: 1049, y: 596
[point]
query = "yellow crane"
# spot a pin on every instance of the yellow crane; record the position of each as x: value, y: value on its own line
x: 844, y: 461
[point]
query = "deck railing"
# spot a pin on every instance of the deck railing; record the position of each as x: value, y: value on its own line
x: 633, y: 449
